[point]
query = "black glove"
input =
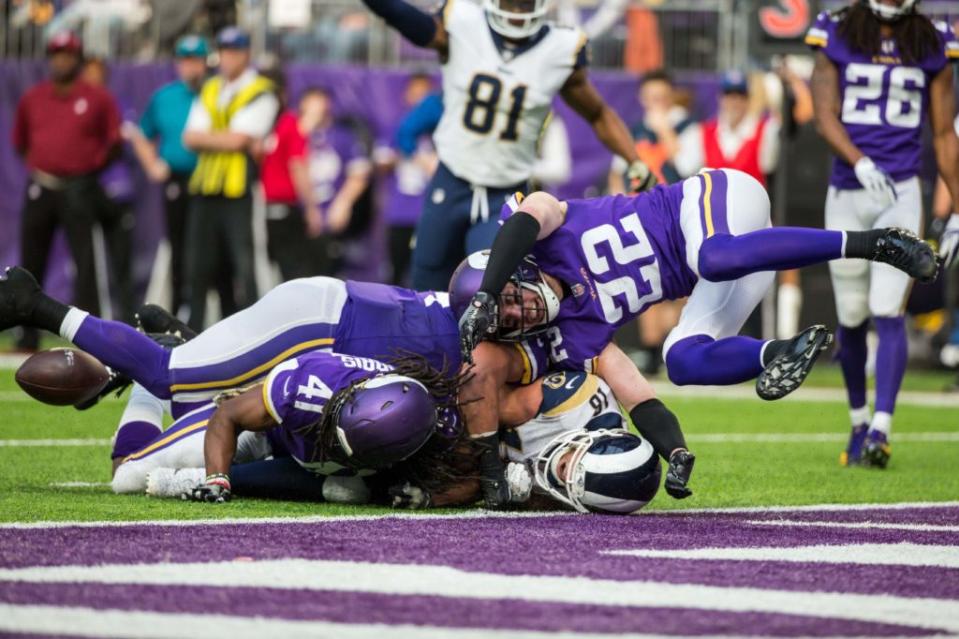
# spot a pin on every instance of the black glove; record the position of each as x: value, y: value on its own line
x: 408, y: 496
x: 478, y: 322
x: 640, y: 177
x: 496, y: 491
x: 215, y: 489
x: 677, y: 475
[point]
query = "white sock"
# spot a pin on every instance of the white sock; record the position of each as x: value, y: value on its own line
x: 71, y: 323
x: 859, y: 416
x: 788, y: 306
x: 881, y: 422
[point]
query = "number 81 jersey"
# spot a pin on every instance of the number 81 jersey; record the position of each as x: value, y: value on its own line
x: 883, y: 98
x: 497, y: 96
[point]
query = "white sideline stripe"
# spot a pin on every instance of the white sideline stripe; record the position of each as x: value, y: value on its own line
x: 444, y: 581
x: 14, y: 443
x: 466, y: 514
x: 866, y: 525
x: 20, y: 396
x: 901, y: 554
x: 12, y: 360
x: 79, y: 484
x: 804, y: 394
x: 89, y: 622
x: 805, y: 438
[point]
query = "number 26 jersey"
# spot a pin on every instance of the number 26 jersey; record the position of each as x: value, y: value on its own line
x: 883, y: 98
x: 497, y: 96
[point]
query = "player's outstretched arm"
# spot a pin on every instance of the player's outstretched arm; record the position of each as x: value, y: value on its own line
x: 656, y: 423
x: 247, y: 411
x: 417, y: 26
x: 580, y: 94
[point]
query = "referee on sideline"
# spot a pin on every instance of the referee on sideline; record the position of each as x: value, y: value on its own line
x: 67, y: 131
x: 234, y: 109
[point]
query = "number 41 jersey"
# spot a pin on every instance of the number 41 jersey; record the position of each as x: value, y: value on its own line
x: 883, y: 98
x: 496, y: 97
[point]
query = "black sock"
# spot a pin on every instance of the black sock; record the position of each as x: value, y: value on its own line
x: 659, y: 426
x: 513, y: 241
x: 862, y: 244
x: 773, y: 349
x: 48, y: 313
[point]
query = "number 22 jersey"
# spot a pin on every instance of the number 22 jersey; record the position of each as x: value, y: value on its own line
x: 615, y: 256
x: 883, y: 98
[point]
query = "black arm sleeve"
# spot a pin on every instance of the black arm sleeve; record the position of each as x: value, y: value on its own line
x: 414, y: 25
x: 514, y: 240
x: 659, y: 426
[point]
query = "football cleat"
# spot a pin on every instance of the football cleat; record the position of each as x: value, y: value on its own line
x: 789, y: 369
x: 117, y: 383
x: 152, y: 318
x: 19, y: 292
x: 852, y: 456
x: 905, y: 251
x: 876, y: 451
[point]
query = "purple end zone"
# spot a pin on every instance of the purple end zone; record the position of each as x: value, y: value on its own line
x: 500, y: 614
x: 562, y: 545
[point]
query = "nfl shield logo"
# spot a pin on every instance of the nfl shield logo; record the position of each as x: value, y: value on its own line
x: 578, y: 289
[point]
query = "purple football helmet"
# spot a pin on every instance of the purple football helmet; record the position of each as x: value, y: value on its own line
x: 385, y: 420
x: 468, y: 277
x: 608, y: 471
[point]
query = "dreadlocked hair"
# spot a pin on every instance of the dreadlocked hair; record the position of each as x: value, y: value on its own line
x: 915, y: 35
x: 442, y: 460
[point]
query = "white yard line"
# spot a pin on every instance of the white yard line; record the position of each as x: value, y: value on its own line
x: 466, y: 514
x: 812, y: 438
x: 79, y: 484
x: 88, y: 622
x: 901, y: 554
x: 443, y: 581
x: 865, y: 525
x: 804, y: 394
x: 14, y: 443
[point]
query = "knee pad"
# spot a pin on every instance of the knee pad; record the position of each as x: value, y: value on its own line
x: 713, y: 260
x: 682, y: 369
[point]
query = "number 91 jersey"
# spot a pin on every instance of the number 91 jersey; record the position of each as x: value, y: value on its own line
x: 496, y: 97
x: 883, y: 98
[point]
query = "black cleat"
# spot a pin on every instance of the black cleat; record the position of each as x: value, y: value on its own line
x: 876, y: 451
x: 118, y: 383
x: 19, y: 292
x: 156, y: 319
x: 789, y: 369
x: 902, y: 249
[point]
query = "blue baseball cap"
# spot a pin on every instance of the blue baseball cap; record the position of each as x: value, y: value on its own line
x: 735, y: 82
x: 233, y: 38
x: 191, y: 46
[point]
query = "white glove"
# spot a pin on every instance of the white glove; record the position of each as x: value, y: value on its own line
x: 520, y: 482
x: 949, y: 243
x: 876, y: 181
x: 173, y: 482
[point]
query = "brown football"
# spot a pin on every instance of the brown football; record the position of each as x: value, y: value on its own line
x: 62, y: 376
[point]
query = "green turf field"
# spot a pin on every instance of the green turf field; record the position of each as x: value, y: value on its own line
x: 728, y: 473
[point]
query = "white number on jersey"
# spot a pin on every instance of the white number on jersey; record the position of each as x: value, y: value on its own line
x: 479, y: 113
x: 865, y: 86
x: 623, y: 255
x: 556, y: 354
x: 314, y: 390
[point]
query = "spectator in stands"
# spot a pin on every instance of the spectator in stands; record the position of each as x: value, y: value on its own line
x: 234, y: 109
x: 67, y: 131
x: 737, y: 138
x: 407, y: 162
x: 292, y: 217
x: 158, y: 143
x: 340, y: 168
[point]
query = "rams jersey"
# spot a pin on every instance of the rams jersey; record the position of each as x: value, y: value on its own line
x: 571, y: 401
x: 883, y: 98
x: 496, y: 96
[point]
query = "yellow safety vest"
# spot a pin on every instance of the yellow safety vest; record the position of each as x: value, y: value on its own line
x: 224, y: 172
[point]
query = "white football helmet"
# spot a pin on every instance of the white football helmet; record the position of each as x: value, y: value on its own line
x: 516, y: 19
x: 891, y: 12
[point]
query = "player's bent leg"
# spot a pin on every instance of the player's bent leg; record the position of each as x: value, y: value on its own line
x: 294, y: 318
x: 180, y: 446
x: 140, y: 424
x: 441, y: 231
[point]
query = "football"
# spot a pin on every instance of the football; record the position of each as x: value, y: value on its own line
x: 62, y: 376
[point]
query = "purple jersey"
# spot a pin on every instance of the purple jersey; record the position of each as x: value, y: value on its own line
x: 616, y: 256
x: 883, y: 99
x: 334, y: 152
x: 296, y: 393
x: 382, y: 321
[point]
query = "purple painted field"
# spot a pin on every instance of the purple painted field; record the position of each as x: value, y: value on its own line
x: 875, y: 572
